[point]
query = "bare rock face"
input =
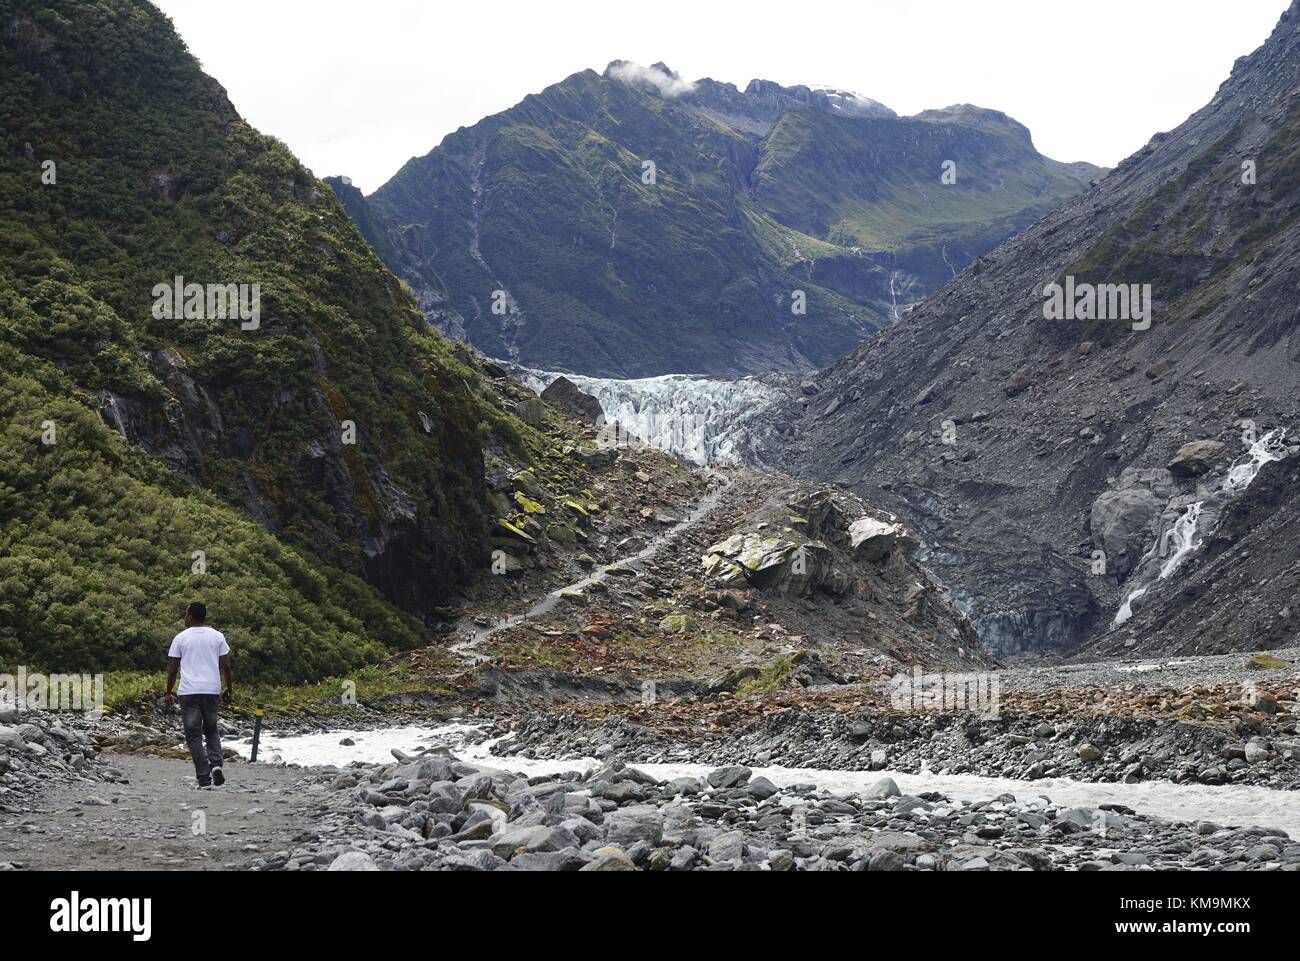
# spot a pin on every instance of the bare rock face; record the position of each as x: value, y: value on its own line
x: 566, y: 396
x: 1122, y: 523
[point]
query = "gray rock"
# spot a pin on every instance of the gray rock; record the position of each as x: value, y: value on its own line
x: 11, y: 740
x: 682, y: 787
x: 610, y: 859
x: 728, y: 847
x: 628, y: 825
x: 1196, y: 458
x: 1257, y: 752
x: 354, y: 861
x: 516, y: 839
x: 728, y: 777
x: 884, y: 788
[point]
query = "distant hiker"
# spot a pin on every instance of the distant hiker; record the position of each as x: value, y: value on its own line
x: 198, y: 653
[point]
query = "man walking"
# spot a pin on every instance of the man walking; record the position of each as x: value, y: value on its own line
x: 202, y: 657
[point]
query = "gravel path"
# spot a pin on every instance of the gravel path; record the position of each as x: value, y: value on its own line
x: 155, y: 821
x: 466, y: 650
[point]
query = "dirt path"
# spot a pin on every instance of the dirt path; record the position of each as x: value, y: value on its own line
x: 702, y: 510
x: 158, y: 822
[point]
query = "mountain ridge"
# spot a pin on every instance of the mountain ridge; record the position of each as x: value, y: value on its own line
x: 939, y: 419
x: 533, y: 236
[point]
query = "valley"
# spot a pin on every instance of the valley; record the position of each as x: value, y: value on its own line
x: 657, y: 475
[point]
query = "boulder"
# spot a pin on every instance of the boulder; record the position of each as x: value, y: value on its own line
x: 531, y: 411
x: 874, y: 541
x: 564, y: 395
x: 353, y: 861
x: 884, y: 788
x: 771, y: 564
x: 1122, y: 525
x: 732, y: 776
x: 728, y: 847
x: 11, y: 740
x: 628, y: 825
x: 1196, y: 458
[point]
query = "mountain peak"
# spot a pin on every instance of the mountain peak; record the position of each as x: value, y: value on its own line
x: 833, y: 99
x: 969, y: 115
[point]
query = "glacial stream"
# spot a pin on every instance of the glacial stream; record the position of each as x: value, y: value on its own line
x: 1225, y: 805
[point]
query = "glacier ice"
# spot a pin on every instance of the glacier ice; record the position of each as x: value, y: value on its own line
x: 700, y: 419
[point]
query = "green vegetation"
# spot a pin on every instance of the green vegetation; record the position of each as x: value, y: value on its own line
x: 1184, y: 240
x: 421, y: 675
x: 152, y: 175
x: 772, y: 678
x: 96, y: 559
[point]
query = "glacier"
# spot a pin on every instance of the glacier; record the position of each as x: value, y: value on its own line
x: 703, y: 420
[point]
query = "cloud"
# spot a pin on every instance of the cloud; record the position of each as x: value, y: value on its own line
x: 668, y: 84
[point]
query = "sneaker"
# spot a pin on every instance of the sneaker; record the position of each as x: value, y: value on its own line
x: 203, y: 785
x: 218, y: 778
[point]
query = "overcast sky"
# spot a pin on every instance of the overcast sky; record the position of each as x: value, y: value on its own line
x: 359, y: 88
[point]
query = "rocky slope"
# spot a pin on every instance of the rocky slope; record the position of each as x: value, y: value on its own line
x: 1041, y: 460
x: 541, y: 236
x: 765, y: 585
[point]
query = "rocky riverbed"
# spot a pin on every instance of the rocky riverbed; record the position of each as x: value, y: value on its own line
x: 435, y: 812
x: 1113, y: 723
x: 38, y: 749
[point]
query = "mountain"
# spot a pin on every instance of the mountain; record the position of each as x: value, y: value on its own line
x: 632, y: 223
x: 312, y: 468
x: 1058, y: 468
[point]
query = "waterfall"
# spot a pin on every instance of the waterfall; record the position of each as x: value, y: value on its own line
x: 1185, y: 536
x: 1267, y: 449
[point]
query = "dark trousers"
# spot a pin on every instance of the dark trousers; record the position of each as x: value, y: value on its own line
x: 199, y: 712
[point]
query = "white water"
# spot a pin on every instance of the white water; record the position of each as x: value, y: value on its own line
x: 1264, y: 451
x: 1185, y: 535
x: 1227, y: 805
x: 699, y: 419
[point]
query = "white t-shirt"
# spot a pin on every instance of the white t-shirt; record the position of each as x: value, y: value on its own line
x: 199, y: 649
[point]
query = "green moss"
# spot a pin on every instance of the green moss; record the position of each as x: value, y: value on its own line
x: 515, y: 531
x: 774, y: 677
x: 677, y: 624
x: 529, y: 506
x: 1266, y: 662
